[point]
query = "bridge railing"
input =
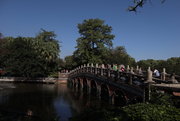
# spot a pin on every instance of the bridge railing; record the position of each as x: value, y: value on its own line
x: 130, y: 76
x: 108, y: 73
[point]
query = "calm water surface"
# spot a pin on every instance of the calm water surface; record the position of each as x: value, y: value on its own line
x: 43, y: 102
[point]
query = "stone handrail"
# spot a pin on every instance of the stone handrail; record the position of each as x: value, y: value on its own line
x: 108, y: 72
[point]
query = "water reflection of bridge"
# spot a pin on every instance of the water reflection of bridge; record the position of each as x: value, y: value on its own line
x: 121, y: 87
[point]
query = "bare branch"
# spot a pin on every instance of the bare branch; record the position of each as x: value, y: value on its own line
x: 140, y: 3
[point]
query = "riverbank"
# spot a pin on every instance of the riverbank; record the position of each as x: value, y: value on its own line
x: 28, y: 80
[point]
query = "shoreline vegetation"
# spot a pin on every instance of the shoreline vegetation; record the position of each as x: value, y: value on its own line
x: 162, y: 107
x: 135, y: 112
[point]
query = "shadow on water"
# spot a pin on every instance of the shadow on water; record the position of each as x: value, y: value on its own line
x: 41, y: 102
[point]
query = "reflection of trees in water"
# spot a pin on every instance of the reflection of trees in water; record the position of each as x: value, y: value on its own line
x: 104, y: 92
x: 36, y: 98
x: 39, y: 101
x: 81, y: 100
x: 5, y: 90
x: 66, y: 94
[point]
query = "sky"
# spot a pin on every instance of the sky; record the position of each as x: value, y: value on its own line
x: 153, y: 32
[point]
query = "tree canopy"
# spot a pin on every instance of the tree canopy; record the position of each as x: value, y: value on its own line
x: 94, y: 41
x: 119, y: 55
x: 30, y: 56
x: 172, y: 64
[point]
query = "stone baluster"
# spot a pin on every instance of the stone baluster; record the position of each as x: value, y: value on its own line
x: 96, y: 69
x: 137, y: 69
x: 140, y: 71
x: 75, y: 71
x: 149, y: 76
x: 88, y: 67
x: 109, y: 71
x: 132, y: 70
x: 131, y: 76
x: 102, y: 66
x: 119, y: 67
x: 91, y: 68
x: 85, y: 68
x: 128, y: 68
x: 78, y: 70
x: 109, y: 66
x: 163, y: 74
x: 102, y: 70
x: 82, y: 68
x: 118, y: 71
x: 173, y: 79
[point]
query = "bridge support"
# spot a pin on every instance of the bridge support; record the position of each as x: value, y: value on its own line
x: 147, y: 88
x: 111, y: 99
x: 99, y: 92
x: 147, y: 93
x: 89, y: 90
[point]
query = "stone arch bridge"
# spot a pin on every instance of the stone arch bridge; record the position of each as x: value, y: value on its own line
x: 119, y: 87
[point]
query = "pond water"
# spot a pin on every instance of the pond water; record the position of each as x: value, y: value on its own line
x: 42, y: 102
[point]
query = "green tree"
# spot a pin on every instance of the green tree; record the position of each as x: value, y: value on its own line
x: 48, y: 49
x: 120, y: 56
x: 3, y: 49
x: 70, y: 62
x: 46, y: 45
x: 61, y: 64
x: 31, y: 56
x: 148, y: 63
x: 94, y: 43
x: 22, y: 59
x: 172, y: 65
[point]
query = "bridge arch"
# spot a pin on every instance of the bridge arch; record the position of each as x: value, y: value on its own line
x: 93, y: 86
x: 85, y: 84
x: 105, y: 92
x: 120, y: 98
x: 74, y: 83
x: 78, y: 82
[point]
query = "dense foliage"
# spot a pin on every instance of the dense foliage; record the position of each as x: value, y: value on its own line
x: 120, y: 56
x: 136, y: 112
x: 30, y: 56
x: 151, y: 112
x: 94, y: 43
x: 172, y: 65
